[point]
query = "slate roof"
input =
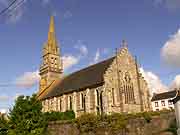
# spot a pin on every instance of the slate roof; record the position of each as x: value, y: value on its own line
x: 87, y: 77
x: 165, y: 95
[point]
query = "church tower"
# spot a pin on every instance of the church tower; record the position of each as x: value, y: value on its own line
x: 51, y: 67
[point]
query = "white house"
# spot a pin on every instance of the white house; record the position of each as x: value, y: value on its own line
x: 162, y: 101
x: 176, y: 102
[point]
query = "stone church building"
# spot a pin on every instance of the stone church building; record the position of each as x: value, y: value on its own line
x: 112, y: 85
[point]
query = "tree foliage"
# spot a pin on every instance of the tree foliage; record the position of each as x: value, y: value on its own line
x: 26, y: 117
x: 3, y: 126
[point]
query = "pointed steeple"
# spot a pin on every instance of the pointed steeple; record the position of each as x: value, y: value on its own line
x: 52, y: 45
x: 51, y: 67
x: 51, y: 34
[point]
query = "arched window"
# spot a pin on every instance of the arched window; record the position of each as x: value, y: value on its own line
x: 101, y: 102
x: 128, y: 89
x: 98, y: 103
x: 70, y: 102
x: 82, y: 100
x: 97, y: 96
x: 60, y: 104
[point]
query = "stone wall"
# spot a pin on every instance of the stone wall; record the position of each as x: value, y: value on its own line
x: 138, y: 126
x: 62, y: 103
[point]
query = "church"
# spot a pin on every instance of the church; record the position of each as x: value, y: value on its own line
x: 114, y: 85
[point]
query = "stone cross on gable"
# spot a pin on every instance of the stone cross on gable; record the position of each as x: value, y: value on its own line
x: 124, y: 44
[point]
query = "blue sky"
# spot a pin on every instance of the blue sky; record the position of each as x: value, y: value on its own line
x: 88, y: 32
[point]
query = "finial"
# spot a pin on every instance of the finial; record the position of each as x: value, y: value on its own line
x: 51, y: 33
x: 124, y: 44
x: 51, y: 26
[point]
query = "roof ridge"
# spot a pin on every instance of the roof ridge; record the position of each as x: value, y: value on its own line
x: 165, y: 92
x: 89, y: 66
x: 86, y: 77
x: 164, y: 95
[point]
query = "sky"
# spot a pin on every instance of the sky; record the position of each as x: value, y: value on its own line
x: 88, y: 32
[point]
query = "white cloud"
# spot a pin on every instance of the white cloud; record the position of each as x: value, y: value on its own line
x: 154, y: 82
x: 97, y: 56
x: 67, y: 14
x: 99, y: 53
x: 3, y: 111
x: 83, y: 49
x: 176, y: 82
x: 105, y: 51
x: 80, y: 45
x: 170, y: 52
x: 69, y: 61
x: 4, y: 98
x: 28, y: 79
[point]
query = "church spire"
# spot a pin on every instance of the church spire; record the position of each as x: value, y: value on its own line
x: 51, y: 67
x: 51, y: 33
x: 51, y: 46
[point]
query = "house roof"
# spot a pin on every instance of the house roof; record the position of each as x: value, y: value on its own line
x: 87, y: 77
x: 176, y: 99
x: 165, y: 95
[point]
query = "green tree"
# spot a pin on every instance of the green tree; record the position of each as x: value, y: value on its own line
x: 26, y: 117
x: 3, y: 126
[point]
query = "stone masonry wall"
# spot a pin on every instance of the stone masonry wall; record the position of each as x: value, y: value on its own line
x: 136, y: 126
x: 115, y: 82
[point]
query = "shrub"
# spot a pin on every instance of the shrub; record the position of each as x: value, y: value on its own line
x: 90, y: 122
x: 117, y: 121
x: 87, y: 122
x: 55, y: 116
x: 173, y: 127
x: 147, y: 116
